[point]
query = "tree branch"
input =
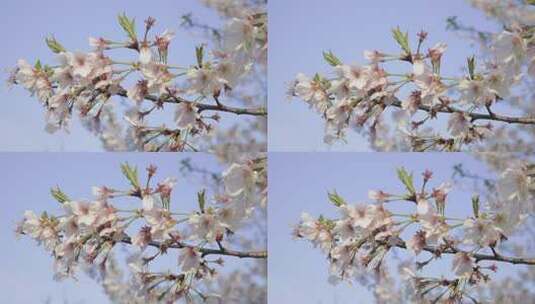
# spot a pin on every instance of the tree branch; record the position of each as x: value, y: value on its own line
x: 477, y: 256
x: 202, y: 106
x: 205, y: 251
x: 473, y: 116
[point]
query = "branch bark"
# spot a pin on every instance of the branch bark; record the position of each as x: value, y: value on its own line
x: 204, y: 107
x: 473, y: 116
x: 205, y: 251
x: 477, y: 256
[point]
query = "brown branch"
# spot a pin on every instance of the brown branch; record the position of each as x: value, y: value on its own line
x: 205, y: 251
x: 473, y: 116
x: 477, y: 256
x: 202, y: 106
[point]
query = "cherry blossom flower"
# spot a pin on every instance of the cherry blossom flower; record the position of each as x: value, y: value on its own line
x: 458, y: 124
x: 143, y: 237
x: 482, y: 232
x: 462, y: 264
x: 378, y: 195
x: 206, y: 226
x: 417, y: 242
x: 189, y: 259
x: 238, y: 179
x: 186, y: 114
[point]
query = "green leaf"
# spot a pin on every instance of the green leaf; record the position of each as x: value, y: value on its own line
x: 475, y: 205
x: 402, y: 39
x: 331, y: 59
x: 406, y: 179
x: 336, y: 199
x: 128, y: 25
x: 130, y: 174
x: 59, y: 195
x: 329, y: 224
x: 199, y: 53
x: 201, y: 198
x: 471, y: 62
x: 54, y: 45
x: 38, y: 65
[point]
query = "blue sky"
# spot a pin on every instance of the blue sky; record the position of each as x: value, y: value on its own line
x: 25, y: 25
x: 299, y: 182
x: 26, y: 275
x: 301, y: 29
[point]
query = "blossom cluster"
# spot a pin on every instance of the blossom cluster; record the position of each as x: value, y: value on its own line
x: 361, y: 97
x: 358, y: 242
x: 87, y: 82
x: 87, y: 233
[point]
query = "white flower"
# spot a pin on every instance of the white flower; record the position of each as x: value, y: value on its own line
x: 374, y: 56
x: 160, y: 221
x: 102, y: 193
x: 441, y: 192
x: 417, y: 242
x: 358, y: 77
x: 164, y: 39
x: 148, y: 202
x: 481, y: 231
x: 462, y: 264
x: 435, y: 228
x: 63, y: 75
x: 189, y: 259
x: 419, y: 67
x: 166, y: 186
x: 238, y: 179
x: 475, y: 92
x: 31, y: 224
x: 238, y: 34
x: 186, y: 114
x: 412, y: 103
x: 436, y: 52
x: 206, y: 226
x: 142, y: 238
x: 138, y: 92
x: 509, y: 46
x: 360, y: 215
x: 458, y: 124
x: 339, y: 114
x: 312, y: 230
x: 158, y: 77
x: 82, y: 212
x: 26, y: 75
x: 81, y: 64
x: 514, y: 183
x: 378, y: 195
x: 99, y: 44
x: 309, y: 90
x: 145, y: 55
x: 205, y: 81
x: 42, y: 229
x: 425, y: 210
